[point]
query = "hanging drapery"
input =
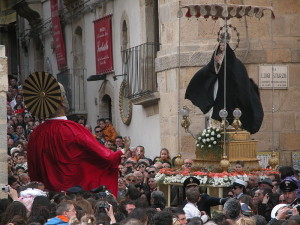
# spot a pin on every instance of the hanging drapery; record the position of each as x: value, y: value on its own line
x: 216, y: 11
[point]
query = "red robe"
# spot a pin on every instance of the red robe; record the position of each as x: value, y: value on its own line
x: 62, y: 154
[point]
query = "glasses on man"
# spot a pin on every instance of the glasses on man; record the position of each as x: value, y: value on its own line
x: 130, y: 180
x: 73, y: 210
x: 151, y: 171
x: 141, y: 166
x: 97, y: 131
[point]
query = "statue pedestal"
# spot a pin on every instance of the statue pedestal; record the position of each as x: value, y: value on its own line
x: 239, y: 147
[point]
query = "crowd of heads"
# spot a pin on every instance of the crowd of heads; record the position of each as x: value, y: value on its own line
x: 271, y: 200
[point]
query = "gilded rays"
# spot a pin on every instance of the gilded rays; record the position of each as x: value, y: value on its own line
x: 42, y: 94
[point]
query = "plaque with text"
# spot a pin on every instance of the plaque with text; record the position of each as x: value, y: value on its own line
x: 296, y: 160
x: 277, y: 80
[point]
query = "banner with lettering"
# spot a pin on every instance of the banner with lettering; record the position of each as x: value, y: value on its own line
x: 103, y: 45
x: 57, y: 35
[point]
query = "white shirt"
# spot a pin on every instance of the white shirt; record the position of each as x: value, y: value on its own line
x: 58, y: 118
x: 191, y: 210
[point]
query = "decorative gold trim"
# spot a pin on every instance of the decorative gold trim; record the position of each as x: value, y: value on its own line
x: 123, y: 96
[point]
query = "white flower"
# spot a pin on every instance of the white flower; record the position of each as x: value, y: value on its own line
x: 207, y: 135
x: 217, y: 130
x: 203, y: 134
x: 197, y: 145
x: 199, y: 138
x: 212, y: 138
x: 209, y: 146
x: 202, y: 146
x: 213, y: 133
x: 196, y: 142
x: 219, y: 135
x: 204, y: 141
x: 208, y: 140
x: 214, y: 142
x: 208, y: 131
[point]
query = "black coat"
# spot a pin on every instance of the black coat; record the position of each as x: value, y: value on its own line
x: 241, y: 92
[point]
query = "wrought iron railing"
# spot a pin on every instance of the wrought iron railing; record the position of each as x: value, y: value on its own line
x: 139, y: 68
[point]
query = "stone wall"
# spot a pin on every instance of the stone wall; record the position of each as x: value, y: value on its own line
x: 3, y: 121
x: 197, y: 40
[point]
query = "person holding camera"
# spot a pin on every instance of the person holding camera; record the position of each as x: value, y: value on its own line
x: 264, y: 202
x: 104, y: 212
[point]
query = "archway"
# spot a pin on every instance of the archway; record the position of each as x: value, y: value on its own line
x: 106, y: 101
x: 106, y: 106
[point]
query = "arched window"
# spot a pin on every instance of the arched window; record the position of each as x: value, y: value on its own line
x: 106, y: 106
x: 124, y: 35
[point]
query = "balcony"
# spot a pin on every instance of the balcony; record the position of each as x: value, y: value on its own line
x: 139, y: 68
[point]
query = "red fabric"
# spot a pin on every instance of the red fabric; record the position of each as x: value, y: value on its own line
x: 19, y: 111
x: 62, y: 154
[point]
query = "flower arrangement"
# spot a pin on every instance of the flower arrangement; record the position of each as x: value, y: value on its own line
x: 209, y: 140
x: 173, y: 175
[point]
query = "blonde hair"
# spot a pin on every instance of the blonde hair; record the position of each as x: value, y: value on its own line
x: 245, y: 221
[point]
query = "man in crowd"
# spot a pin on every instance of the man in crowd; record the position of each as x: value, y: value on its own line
x: 141, y: 154
x: 262, y: 200
x: 289, y: 189
x: 253, y: 184
x: 239, y: 188
x: 64, y: 212
x: 232, y: 210
x: 187, y: 163
x: 205, y: 201
x: 99, y: 135
x: 119, y: 142
x: 266, y: 183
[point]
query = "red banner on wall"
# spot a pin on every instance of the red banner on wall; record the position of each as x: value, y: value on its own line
x: 103, y: 45
x: 58, y: 38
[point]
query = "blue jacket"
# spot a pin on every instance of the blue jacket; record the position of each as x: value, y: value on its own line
x: 56, y: 221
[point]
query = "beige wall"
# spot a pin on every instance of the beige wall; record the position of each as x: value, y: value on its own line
x: 3, y: 122
x: 197, y: 42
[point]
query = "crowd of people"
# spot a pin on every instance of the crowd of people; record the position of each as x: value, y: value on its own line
x: 272, y: 200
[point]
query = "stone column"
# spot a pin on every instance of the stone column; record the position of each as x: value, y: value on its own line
x: 3, y: 122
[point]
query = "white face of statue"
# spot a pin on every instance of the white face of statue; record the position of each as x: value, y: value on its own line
x: 222, y: 46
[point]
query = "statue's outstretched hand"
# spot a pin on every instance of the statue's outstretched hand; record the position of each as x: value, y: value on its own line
x: 127, y: 142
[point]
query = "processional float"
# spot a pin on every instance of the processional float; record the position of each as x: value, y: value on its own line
x: 211, y: 89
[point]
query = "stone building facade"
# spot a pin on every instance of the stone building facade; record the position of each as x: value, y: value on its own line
x: 185, y: 45
x: 3, y: 122
x: 197, y: 39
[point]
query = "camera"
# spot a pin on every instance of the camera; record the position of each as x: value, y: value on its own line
x: 5, y: 188
x: 103, y: 204
x: 290, y: 212
x: 102, y: 194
